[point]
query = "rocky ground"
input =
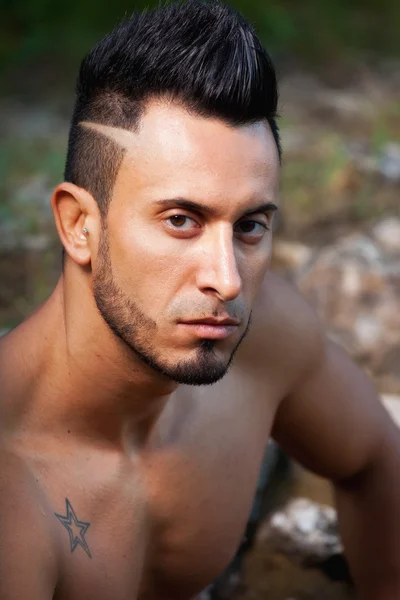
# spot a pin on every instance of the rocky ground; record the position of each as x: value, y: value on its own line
x: 354, y: 284
x: 338, y: 240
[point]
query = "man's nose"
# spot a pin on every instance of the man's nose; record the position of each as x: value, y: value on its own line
x: 218, y: 273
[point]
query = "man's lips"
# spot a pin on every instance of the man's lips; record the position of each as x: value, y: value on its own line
x: 211, y: 328
x: 212, y: 321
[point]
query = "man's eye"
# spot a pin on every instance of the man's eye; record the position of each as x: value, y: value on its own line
x: 251, y: 227
x: 182, y: 222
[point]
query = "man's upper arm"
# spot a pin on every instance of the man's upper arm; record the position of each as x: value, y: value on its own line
x: 331, y: 420
x: 27, y: 554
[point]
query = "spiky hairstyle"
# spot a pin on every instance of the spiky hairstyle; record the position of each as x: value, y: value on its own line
x: 201, y: 53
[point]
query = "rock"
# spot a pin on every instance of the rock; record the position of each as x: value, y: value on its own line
x: 387, y: 234
x: 392, y: 405
x: 354, y: 285
x: 389, y: 162
x: 367, y: 331
x: 305, y: 531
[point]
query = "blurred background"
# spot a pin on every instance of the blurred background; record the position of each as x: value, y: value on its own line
x: 338, y: 238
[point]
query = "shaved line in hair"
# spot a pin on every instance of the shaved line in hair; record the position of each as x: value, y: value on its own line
x: 123, y: 137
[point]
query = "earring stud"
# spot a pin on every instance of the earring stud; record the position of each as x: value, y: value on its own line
x: 85, y: 231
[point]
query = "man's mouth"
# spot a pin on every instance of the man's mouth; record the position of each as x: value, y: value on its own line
x: 212, y: 328
x: 216, y: 321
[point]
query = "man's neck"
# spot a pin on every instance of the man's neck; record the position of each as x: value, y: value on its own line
x: 87, y: 381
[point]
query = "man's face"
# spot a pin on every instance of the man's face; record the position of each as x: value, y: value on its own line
x: 187, y: 240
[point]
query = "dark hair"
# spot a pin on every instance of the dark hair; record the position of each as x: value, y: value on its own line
x: 204, y: 54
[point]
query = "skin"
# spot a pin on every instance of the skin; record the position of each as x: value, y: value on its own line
x: 116, y: 482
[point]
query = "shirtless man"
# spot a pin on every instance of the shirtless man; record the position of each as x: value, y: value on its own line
x: 123, y: 474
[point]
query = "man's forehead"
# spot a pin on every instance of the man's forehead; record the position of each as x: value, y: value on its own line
x: 126, y: 139
x: 182, y: 138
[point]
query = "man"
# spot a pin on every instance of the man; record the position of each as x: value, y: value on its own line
x: 123, y: 474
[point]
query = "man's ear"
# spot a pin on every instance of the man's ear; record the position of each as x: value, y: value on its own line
x: 77, y: 219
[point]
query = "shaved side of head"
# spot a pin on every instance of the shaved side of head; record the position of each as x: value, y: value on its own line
x: 124, y: 138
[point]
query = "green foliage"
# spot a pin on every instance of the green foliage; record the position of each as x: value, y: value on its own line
x: 38, y: 29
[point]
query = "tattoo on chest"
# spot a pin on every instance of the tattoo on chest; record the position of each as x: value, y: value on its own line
x: 76, y: 529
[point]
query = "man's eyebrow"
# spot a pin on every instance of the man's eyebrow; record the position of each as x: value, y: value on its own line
x: 200, y: 208
x: 196, y: 207
x: 265, y: 207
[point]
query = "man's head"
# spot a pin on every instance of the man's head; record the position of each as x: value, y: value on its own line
x: 174, y: 138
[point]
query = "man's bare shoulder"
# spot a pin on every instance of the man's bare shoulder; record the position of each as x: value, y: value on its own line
x: 20, y: 492
x: 286, y: 336
x: 21, y: 354
x: 27, y: 538
x: 27, y: 545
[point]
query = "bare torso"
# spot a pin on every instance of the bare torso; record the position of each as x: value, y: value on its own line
x: 165, y: 521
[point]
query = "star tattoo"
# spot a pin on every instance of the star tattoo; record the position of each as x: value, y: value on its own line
x: 76, y: 529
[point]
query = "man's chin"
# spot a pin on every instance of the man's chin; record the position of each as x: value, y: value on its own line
x: 208, y: 363
x: 200, y: 371
x: 197, y: 377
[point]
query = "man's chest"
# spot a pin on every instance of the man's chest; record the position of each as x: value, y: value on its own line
x: 204, y: 488
x: 167, y: 525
